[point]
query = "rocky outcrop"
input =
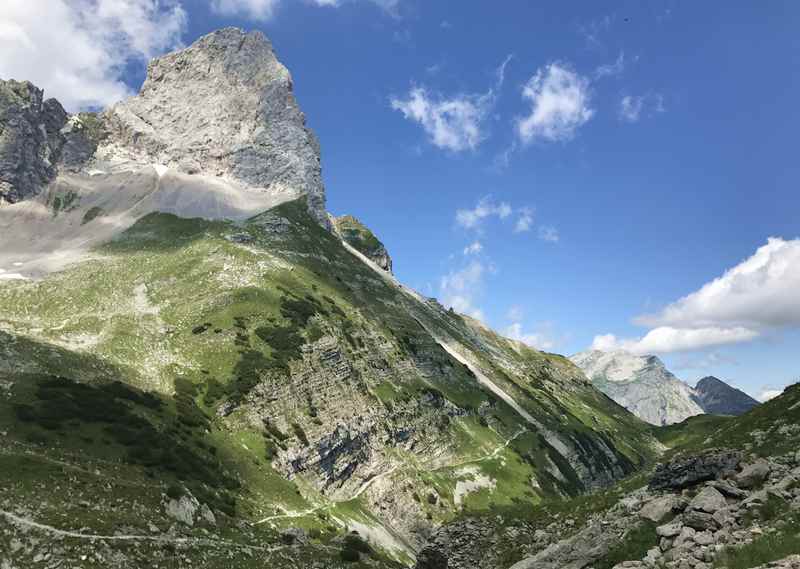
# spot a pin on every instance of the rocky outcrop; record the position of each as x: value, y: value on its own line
x: 641, y: 384
x: 718, y: 398
x: 30, y: 140
x: 695, y: 526
x: 225, y: 107
x: 683, y: 472
x: 360, y: 237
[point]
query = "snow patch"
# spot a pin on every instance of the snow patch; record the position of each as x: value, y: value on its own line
x: 160, y: 169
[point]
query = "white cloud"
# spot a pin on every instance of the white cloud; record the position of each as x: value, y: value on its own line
x: 665, y: 340
x: 524, y: 221
x: 263, y: 10
x: 76, y: 50
x: 486, y: 207
x: 549, y: 233
x: 473, y: 248
x: 760, y: 292
x: 611, y: 69
x: 559, y: 104
x: 757, y: 295
x: 460, y: 289
x: 768, y: 394
x: 501, y: 70
x: 539, y: 340
x: 453, y: 124
x: 258, y: 10
x: 631, y: 107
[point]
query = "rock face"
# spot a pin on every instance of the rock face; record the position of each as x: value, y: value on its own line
x: 717, y: 397
x: 644, y: 386
x: 224, y: 107
x: 641, y: 384
x: 683, y: 472
x: 30, y: 140
x: 358, y: 235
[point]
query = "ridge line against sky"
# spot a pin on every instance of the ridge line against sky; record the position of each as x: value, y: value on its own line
x: 564, y: 133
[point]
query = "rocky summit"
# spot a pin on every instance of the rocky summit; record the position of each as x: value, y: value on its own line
x: 641, y: 384
x: 717, y: 397
x: 644, y: 386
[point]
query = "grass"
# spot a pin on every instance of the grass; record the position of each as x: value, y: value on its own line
x: 691, y: 433
x: 768, y: 547
x: 634, y: 546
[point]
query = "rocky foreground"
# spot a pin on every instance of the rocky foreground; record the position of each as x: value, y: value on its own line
x: 696, y: 512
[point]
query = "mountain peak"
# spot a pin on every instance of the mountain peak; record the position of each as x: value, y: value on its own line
x: 224, y: 107
x: 718, y: 397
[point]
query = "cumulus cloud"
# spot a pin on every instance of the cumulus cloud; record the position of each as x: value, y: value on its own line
x: 76, y: 50
x: 454, y: 123
x: 757, y: 295
x: 560, y: 104
x: 665, y: 340
x: 461, y: 288
x: 524, y: 221
x: 760, y: 292
x: 486, y: 207
x: 473, y: 248
x: 631, y: 108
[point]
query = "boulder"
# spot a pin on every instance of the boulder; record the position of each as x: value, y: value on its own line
x: 183, y: 509
x: 671, y: 529
x: 685, y: 471
x: 657, y: 510
x: 753, y: 474
x: 729, y: 490
x: 700, y: 520
x: 708, y: 500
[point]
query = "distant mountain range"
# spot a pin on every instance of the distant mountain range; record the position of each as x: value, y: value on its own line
x: 644, y: 386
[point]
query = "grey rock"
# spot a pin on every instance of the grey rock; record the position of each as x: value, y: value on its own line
x: 658, y: 509
x: 727, y: 489
x: 223, y: 106
x: 753, y: 474
x: 704, y: 538
x: 30, y: 140
x: 641, y: 384
x: 686, y: 471
x: 671, y: 529
x: 294, y: 536
x: 183, y: 509
x: 700, y: 520
x: 718, y: 398
x: 709, y: 500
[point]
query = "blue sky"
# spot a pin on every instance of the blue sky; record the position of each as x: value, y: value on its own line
x: 567, y: 171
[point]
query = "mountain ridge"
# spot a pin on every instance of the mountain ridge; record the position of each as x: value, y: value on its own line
x: 646, y: 387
